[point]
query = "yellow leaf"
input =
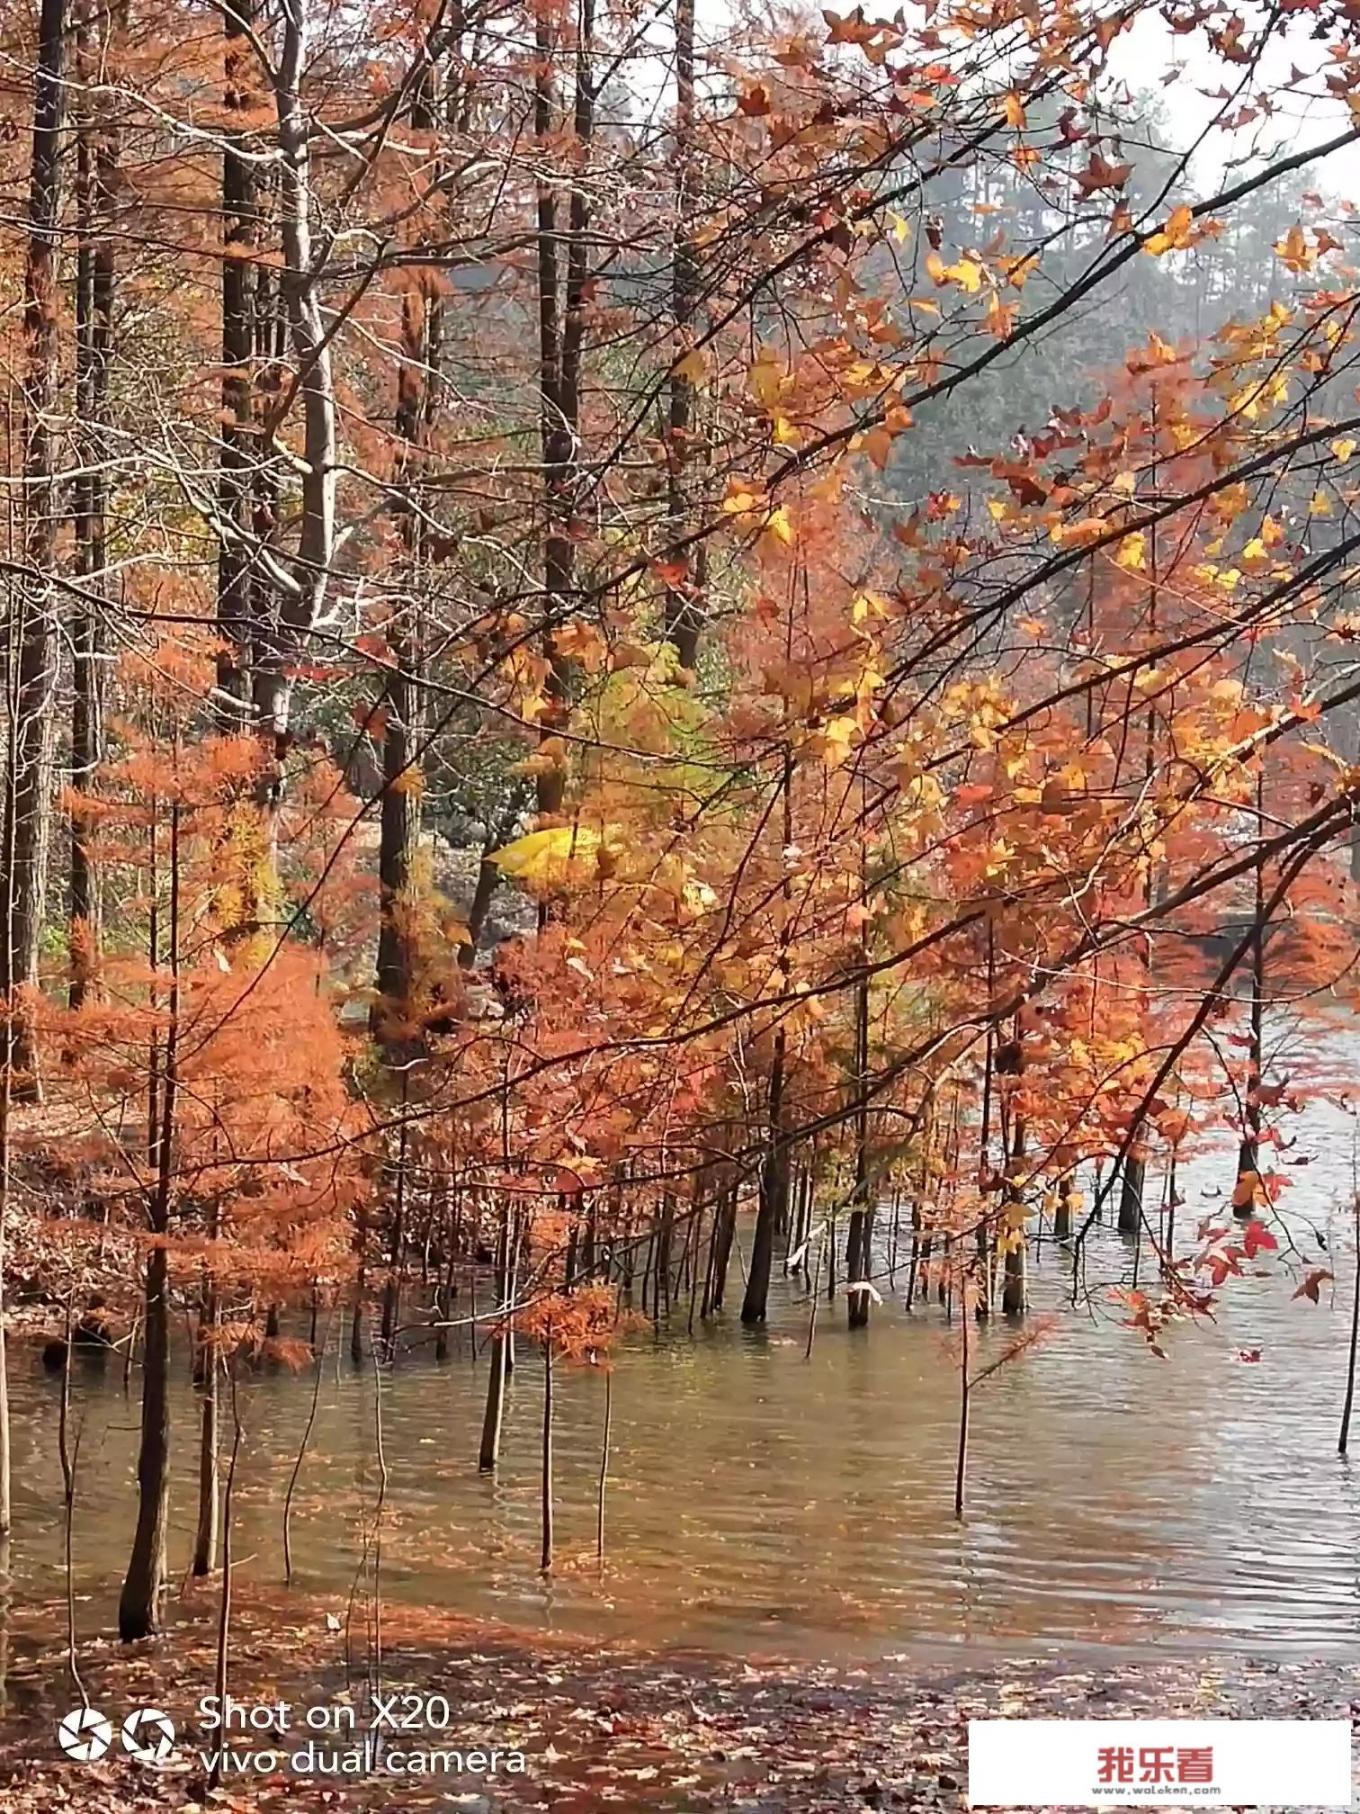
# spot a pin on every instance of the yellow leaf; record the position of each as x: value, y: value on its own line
x: 1344, y: 448
x: 1293, y: 249
x: 1013, y: 111
x: 831, y: 744
x: 968, y: 274
x: 1000, y: 318
x: 542, y: 856
x: 877, y: 443
x: 1321, y: 504
x: 1130, y: 553
x: 1176, y: 234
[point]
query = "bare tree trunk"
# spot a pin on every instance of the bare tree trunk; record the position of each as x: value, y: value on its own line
x: 1344, y: 1438
x: 859, y: 1242
x: 139, y: 1608
x: 206, y: 1535
x: 603, y: 1480
x: 303, y: 587
x: 28, y: 818
x: 96, y: 176
x: 546, y: 1555
x: 1247, y: 1191
x: 494, y: 1417
x: 1014, y: 1291
x: 224, y: 1604
x: 684, y: 590
x: 241, y: 444
x: 772, y: 1201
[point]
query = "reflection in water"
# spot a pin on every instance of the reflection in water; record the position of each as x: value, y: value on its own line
x: 761, y: 1500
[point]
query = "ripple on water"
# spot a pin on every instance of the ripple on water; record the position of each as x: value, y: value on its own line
x: 1190, y: 1503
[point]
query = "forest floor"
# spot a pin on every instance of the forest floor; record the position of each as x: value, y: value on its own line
x: 599, y: 1727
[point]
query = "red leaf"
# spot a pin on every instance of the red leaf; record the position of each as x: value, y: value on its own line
x: 1312, y: 1284
x: 1258, y: 1238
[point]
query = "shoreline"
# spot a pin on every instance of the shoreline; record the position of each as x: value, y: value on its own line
x: 598, y: 1728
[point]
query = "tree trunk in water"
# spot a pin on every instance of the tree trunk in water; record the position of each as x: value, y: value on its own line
x: 1013, y: 1290
x: 1344, y: 1438
x: 965, y: 1407
x: 722, y: 1259
x: 985, y: 1261
x: 772, y: 1204
x: 139, y: 1608
x: 1062, y: 1218
x: 206, y: 1536
x: 546, y: 1556
x: 1246, y: 1191
x: 1131, y: 1194
x: 494, y: 1417
x: 603, y: 1480
x: 859, y: 1242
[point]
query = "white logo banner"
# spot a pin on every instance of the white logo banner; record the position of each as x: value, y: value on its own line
x: 1159, y: 1763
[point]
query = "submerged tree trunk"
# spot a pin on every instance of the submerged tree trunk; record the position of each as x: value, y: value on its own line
x: 1062, y: 1216
x: 1247, y: 1189
x: 772, y: 1203
x: 139, y: 1608
x: 209, y: 1495
x: 1014, y: 1286
x: 603, y: 1480
x: 493, y: 1418
x: 546, y: 1555
x: 859, y: 1242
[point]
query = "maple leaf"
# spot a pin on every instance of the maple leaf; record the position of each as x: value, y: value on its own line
x: 1257, y: 1238
x: 1174, y: 236
x: 1313, y: 1284
x: 1293, y: 250
x: 1099, y: 174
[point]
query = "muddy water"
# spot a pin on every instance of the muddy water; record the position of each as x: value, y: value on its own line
x: 762, y: 1501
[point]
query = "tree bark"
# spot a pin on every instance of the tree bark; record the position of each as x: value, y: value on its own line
x: 96, y: 177
x: 683, y: 614
x: 1014, y: 1292
x: 494, y: 1417
x: 860, y: 1240
x: 139, y: 1608
x: 240, y: 440
x: 28, y: 797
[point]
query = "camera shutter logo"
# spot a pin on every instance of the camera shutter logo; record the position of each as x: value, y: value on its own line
x: 84, y: 1735
x: 149, y: 1735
